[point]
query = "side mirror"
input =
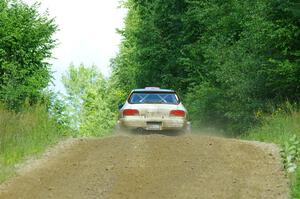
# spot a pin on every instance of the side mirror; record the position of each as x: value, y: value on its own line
x: 120, y: 106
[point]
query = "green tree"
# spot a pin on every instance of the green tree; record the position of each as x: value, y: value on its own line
x: 77, y: 81
x: 91, y: 102
x: 97, y: 116
x: 229, y: 59
x: 26, y: 41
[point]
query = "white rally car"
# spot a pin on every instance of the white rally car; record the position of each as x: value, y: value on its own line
x: 153, y: 109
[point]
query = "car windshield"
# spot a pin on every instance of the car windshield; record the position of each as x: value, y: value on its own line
x: 154, y: 98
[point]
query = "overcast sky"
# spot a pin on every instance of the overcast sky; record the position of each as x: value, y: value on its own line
x: 87, y: 32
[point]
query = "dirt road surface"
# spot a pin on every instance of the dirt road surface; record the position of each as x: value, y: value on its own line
x: 154, y: 167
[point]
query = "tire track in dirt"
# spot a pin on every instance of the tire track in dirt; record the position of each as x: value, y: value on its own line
x: 154, y: 166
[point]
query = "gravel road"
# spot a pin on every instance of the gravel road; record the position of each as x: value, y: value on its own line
x: 154, y: 167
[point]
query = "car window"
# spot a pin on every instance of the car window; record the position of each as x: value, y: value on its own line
x: 153, y: 98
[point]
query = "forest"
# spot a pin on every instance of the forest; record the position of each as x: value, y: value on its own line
x: 229, y: 60
x: 235, y: 64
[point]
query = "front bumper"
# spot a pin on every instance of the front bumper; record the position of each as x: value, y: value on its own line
x: 144, y: 123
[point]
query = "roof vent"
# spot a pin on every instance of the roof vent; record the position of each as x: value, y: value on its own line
x: 152, y: 88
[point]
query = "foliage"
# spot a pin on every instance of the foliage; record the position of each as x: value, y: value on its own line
x: 25, y: 44
x: 97, y: 118
x: 295, y: 189
x: 58, y: 111
x: 227, y: 59
x: 76, y: 82
x: 291, y: 154
x: 278, y: 127
x: 25, y: 133
x: 90, y: 101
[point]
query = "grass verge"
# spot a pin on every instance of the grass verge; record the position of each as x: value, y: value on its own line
x: 283, y: 129
x: 24, y: 134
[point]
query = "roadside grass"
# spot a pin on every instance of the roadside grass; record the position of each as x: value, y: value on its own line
x: 296, y: 187
x: 24, y: 134
x: 283, y: 129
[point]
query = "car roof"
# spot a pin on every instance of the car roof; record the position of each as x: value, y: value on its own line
x: 154, y: 90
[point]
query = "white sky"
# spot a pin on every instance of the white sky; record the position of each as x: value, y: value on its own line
x: 87, y: 33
